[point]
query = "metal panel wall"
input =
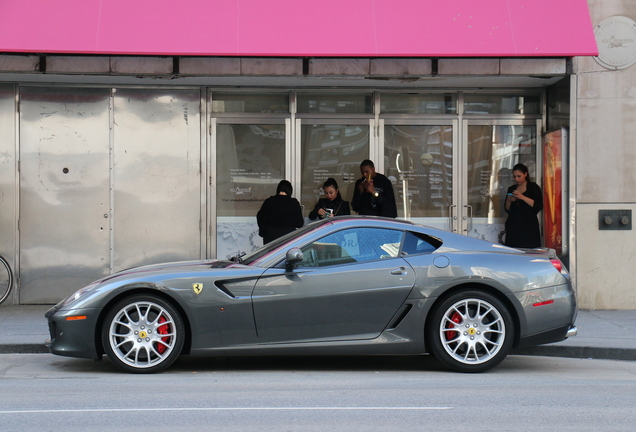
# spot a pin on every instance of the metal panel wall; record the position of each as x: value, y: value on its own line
x: 64, y: 191
x: 156, y: 183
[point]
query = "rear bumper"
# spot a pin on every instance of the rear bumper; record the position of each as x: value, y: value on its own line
x: 547, y: 315
x: 546, y: 337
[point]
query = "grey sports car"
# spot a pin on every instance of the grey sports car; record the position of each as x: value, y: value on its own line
x: 340, y: 286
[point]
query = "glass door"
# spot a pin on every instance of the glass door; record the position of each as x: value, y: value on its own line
x: 330, y: 148
x: 452, y: 184
x: 249, y: 159
x: 419, y: 159
x: 490, y: 150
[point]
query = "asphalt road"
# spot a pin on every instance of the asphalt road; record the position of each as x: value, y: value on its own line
x: 46, y: 393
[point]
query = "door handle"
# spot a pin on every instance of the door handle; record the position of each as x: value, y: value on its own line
x: 469, y: 225
x: 451, y: 218
x: 398, y: 271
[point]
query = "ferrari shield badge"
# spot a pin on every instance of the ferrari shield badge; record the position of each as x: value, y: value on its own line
x: 197, y: 288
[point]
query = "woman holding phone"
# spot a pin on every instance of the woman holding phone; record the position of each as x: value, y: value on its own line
x: 523, y: 202
x: 332, y: 204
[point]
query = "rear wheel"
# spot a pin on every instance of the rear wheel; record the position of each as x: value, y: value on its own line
x: 143, y: 334
x: 471, y: 331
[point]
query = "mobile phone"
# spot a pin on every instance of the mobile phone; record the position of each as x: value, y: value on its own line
x: 509, y: 194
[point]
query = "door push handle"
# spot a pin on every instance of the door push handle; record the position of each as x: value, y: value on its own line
x: 469, y: 226
x: 451, y: 218
x: 398, y: 271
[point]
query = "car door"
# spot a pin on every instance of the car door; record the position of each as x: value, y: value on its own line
x: 348, y: 286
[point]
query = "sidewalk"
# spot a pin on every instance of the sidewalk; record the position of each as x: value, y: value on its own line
x: 602, y: 334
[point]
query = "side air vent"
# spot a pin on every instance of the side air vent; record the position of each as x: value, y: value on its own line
x: 400, y: 316
x: 220, y: 285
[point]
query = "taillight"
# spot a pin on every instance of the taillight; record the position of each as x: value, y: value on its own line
x: 559, y: 266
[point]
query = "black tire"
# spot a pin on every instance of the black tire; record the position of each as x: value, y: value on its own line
x: 6, y: 279
x: 143, y: 333
x: 470, y: 331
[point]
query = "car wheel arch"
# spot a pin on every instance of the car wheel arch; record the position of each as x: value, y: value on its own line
x: 142, y: 290
x: 469, y: 287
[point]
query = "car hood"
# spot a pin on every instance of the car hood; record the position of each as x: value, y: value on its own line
x: 154, y: 276
x: 172, y: 267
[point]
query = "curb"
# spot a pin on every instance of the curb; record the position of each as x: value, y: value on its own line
x: 579, y: 352
x: 24, y: 349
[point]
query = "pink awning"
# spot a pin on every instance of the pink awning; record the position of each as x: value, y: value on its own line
x: 351, y: 28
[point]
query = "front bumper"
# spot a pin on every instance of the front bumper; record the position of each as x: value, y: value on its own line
x: 73, y: 337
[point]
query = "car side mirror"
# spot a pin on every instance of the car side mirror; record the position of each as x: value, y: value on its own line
x: 293, y: 257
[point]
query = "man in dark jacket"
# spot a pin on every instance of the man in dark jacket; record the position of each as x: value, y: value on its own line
x: 373, y: 193
x: 280, y: 214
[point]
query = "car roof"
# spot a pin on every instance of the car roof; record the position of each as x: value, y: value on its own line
x: 315, y: 230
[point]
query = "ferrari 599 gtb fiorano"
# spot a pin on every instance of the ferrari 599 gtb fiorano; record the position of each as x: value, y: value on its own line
x: 341, y: 286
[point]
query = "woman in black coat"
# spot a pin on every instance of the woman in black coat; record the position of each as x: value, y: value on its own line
x: 523, y: 202
x: 332, y: 204
x: 280, y: 214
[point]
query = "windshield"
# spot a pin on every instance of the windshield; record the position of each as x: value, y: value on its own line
x: 254, y: 256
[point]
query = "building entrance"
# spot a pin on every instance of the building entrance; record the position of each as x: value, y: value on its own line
x: 448, y: 170
x: 457, y: 184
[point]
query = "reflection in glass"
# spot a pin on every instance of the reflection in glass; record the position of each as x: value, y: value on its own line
x: 250, y: 102
x: 492, y: 152
x: 335, y: 103
x: 352, y: 246
x: 331, y: 151
x: 484, y: 103
x: 419, y: 162
x: 415, y: 103
x: 249, y: 164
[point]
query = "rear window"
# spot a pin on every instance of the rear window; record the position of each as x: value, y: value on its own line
x: 418, y: 243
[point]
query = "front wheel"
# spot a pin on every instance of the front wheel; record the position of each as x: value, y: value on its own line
x: 143, y: 334
x: 471, y: 331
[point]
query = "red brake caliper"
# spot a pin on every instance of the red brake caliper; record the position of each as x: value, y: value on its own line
x: 456, y: 318
x: 162, y: 330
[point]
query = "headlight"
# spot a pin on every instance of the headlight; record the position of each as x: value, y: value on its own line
x: 79, y: 293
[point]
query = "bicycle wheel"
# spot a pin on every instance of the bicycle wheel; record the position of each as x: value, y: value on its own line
x: 6, y: 279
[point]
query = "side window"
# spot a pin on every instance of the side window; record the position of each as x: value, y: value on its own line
x: 417, y: 243
x: 352, y: 245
